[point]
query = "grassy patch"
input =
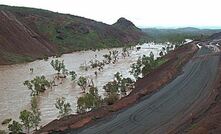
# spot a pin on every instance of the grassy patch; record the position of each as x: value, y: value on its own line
x: 160, y: 61
x: 16, y: 58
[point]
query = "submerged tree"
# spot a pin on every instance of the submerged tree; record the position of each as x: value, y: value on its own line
x: 161, y: 53
x: 116, y: 87
x: 63, y: 106
x: 145, y: 64
x: 115, y: 54
x: 108, y: 57
x: 36, y: 113
x: 31, y: 70
x: 37, y: 85
x: 73, y: 75
x: 59, y: 66
x: 89, y: 101
x: 15, y: 127
x: 82, y: 82
x: 112, y: 91
x: 124, y: 84
x: 125, y: 52
x: 27, y: 119
x: 136, y: 69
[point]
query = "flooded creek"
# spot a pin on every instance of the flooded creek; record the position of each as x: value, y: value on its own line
x: 15, y: 97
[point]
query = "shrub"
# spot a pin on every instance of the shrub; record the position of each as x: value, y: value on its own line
x: 63, y: 107
x: 15, y: 127
x: 37, y: 85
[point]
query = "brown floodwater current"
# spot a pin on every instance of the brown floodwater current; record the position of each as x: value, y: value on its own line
x: 15, y: 97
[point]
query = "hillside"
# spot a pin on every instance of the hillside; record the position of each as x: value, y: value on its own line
x: 178, y: 35
x: 27, y: 34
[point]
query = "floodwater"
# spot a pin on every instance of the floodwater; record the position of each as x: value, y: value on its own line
x: 15, y: 97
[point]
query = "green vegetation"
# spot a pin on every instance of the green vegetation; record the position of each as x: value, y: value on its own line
x: 144, y: 65
x: 59, y: 66
x: 36, y: 113
x: 37, y: 85
x: 116, y: 87
x: 15, y: 127
x: 114, y: 91
x: 89, y: 101
x: 177, y: 36
x: 29, y: 119
x: 63, y: 107
x: 82, y: 82
x: 16, y: 58
x: 31, y: 70
x: 73, y: 33
x: 108, y: 57
x: 111, y: 89
x: 73, y: 75
x: 136, y: 68
x: 26, y: 118
x: 125, y: 52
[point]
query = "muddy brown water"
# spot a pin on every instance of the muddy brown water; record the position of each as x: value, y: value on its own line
x: 15, y: 97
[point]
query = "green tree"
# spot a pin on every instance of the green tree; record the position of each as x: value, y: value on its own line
x: 151, y: 55
x: 89, y: 101
x: 82, y: 82
x: 136, y: 69
x: 112, y: 92
x: 63, y: 107
x: 37, y: 85
x: 108, y: 57
x: 115, y: 54
x: 15, y: 127
x: 144, y: 65
x: 123, y: 84
x: 161, y: 53
x: 59, y: 66
x: 73, y: 75
x: 27, y: 119
x: 36, y: 113
x: 31, y: 70
x: 111, y: 98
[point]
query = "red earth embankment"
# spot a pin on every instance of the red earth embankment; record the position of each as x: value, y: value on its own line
x: 145, y: 86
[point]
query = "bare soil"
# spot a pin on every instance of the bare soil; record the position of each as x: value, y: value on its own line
x: 18, y: 39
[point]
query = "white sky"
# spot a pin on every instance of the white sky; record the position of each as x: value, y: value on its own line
x: 144, y: 13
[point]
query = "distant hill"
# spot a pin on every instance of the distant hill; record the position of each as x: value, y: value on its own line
x: 28, y: 33
x: 216, y: 36
x: 179, y: 35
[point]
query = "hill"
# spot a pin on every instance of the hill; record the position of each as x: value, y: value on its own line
x: 27, y: 34
x: 179, y: 35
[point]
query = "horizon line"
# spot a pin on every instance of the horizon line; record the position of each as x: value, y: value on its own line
x: 141, y: 27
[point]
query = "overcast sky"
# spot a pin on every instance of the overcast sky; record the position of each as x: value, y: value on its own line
x: 144, y: 13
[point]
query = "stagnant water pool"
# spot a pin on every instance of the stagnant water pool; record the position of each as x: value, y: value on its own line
x: 15, y: 97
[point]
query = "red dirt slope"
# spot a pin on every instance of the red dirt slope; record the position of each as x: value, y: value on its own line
x: 18, y: 39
